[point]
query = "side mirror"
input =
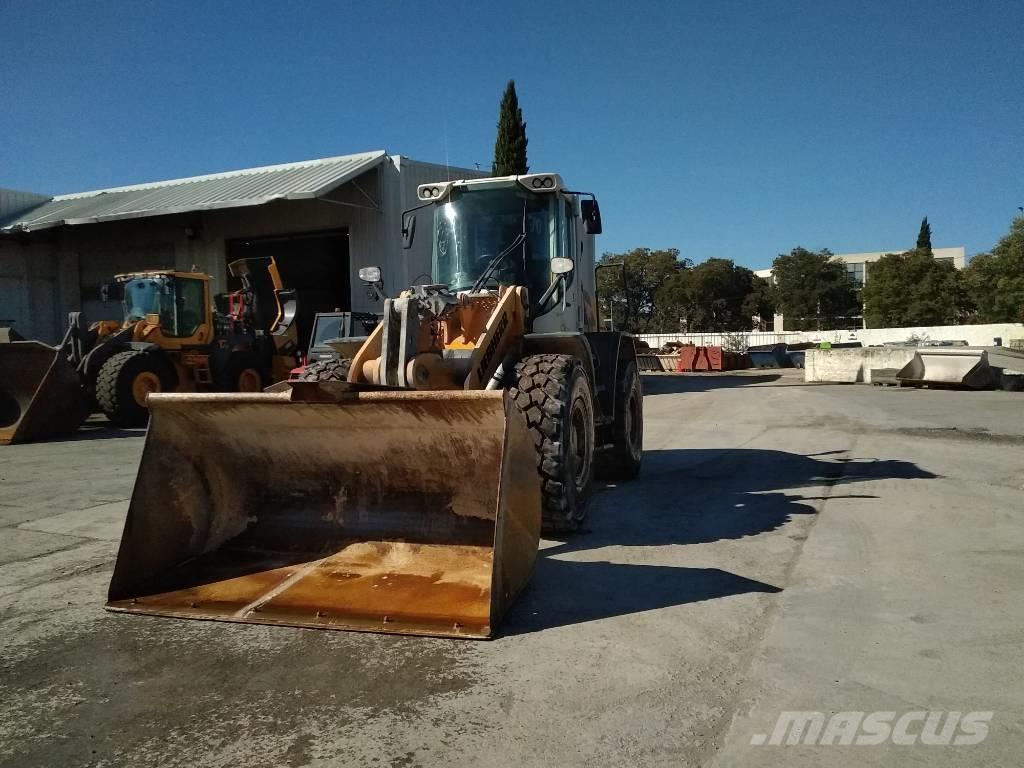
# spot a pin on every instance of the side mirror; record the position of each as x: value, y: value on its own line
x: 591, y: 213
x: 561, y: 266
x: 408, y: 230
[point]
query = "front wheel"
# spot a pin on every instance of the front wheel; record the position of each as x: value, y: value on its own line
x: 126, y: 380
x: 553, y: 393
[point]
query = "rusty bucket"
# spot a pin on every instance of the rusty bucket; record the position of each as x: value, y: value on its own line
x: 384, y: 511
x: 40, y: 393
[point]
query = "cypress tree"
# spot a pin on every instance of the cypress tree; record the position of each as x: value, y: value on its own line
x: 924, y: 237
x: 510, y: 145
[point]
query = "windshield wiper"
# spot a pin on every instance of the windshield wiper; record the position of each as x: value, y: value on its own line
x: 496, y: 261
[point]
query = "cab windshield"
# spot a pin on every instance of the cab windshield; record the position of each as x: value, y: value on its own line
x: 475, y: 226
x: 177, y: 300
x: 326, y: 328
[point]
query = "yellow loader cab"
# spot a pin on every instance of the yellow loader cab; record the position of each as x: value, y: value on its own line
x: 410, y: 497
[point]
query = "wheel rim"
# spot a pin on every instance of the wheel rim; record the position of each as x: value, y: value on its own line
x: 578, y: 444
x: 143, y: 385
x: 249, y: 381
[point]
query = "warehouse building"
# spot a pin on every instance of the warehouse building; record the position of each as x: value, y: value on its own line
x: 321, y: 219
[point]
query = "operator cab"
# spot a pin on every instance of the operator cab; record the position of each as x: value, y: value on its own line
x: 516, y: 230
x: 178, y: 302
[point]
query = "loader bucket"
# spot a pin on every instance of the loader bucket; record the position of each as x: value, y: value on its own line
x: 385, y: 511
x: 948, y: 366
x: 40, y: 393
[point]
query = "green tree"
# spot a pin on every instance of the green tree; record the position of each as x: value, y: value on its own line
x: 924, y: 237
x: 995, y: 280
x: 814, y: 291
x: 717, y: 295
x: 912, y: 288
x: 510, y: 144
x: 760, y: 302
x: 649, y: 303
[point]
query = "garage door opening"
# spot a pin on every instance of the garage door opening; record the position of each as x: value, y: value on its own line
x: 315, y: 265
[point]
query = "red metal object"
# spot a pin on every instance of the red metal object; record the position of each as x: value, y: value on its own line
x: 703, y: 359
x: 700, y: 359
x: 236, y: 305
x: 685, y: 362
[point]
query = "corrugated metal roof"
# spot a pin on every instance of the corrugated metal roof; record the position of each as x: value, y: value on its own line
x: 251, y: 186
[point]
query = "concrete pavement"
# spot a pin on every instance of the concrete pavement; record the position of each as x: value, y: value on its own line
x: 787, y: 547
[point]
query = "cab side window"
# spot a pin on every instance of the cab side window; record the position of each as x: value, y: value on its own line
x: 188, y: 305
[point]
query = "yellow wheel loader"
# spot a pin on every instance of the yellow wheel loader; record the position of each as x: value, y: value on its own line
x: 169, y: 340
x: 410, y: 497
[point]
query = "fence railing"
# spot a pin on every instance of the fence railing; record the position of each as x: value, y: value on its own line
x: 974, y: 335
x: 728, y: 340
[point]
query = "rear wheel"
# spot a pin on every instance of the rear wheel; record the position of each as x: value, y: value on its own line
x: 126, y: 380
x: 553, y: 393
x: 621, y: 461
x: 327, y: 370
x: 242, y: 373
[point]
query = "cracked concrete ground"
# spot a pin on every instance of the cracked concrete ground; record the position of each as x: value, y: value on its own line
x: 787, y: 547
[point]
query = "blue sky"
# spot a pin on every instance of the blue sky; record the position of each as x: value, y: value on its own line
x: 737, y: 130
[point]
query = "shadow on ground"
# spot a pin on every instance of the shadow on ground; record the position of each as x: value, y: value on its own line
x: 670, y: 384
x: 100, y: 431
x: 686, y: 496
x: 563, y: 592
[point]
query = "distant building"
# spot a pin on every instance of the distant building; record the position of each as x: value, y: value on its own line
x: 858, y: 265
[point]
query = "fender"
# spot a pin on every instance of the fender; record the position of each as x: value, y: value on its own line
x: 92, y: 362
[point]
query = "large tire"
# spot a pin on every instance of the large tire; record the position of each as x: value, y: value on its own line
x: 241, y: 373
x: 327, y: 370
x: 621, y: 461
x: 126, y: 379
x: 554, y: 394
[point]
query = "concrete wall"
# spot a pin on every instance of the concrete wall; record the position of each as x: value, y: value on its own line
x: 853, y: 365
x: 27, y: 273
x: 30, y: 289
x: 974, y: 335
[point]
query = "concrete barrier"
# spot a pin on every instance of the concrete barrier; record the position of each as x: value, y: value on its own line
x: 853, y: 365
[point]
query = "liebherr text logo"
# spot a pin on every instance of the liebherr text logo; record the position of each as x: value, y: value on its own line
x: 492, y: 345
x: 870, y: 728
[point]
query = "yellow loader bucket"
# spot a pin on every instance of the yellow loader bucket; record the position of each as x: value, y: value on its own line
x: 383, y: 511
x: 40, y: 393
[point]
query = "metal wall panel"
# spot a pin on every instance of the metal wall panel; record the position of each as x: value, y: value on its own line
x: 14, y: 202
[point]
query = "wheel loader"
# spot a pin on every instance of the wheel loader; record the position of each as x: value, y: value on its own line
x: 169, y: 339
x: 410, y: 497
x: 335, y: 337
